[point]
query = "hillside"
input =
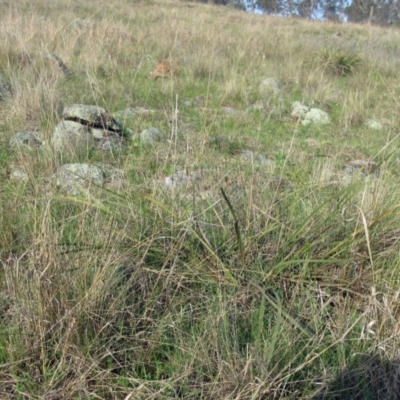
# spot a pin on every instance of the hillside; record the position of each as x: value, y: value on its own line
x: 226, y: 230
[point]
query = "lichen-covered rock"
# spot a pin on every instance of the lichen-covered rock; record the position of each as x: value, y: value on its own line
x: 19, y: 175
x: 372, y: 124
x: 112, y: 143
x: 5, y: 88
x: 299, y: 110
x: 270, y: 86
x: 72, y: 136
x: 91, y: 115
x: 316, y: 116
x: 180, y: 179
x: 72, y: 179
x: 114, y: 178
x: 131, y: 113
x: 361, y: 168
x: 151, y: 135
x: 25, y: 139
x: 257, y: 159
x: 309, y: 115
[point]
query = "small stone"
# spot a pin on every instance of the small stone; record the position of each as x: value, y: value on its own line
x: 112, y: 144
x: 72, y: 178
x: 151, y: 135
x: 19, y: 175
x: 180, y: 179
x: 257, y: 106
x: 372, y: 124
x: 5, y: 89
x: 25, y: 139
x: 270, y: 86
x: 255, y: 158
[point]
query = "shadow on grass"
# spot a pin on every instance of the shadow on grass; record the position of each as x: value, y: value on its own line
x: 367, y: 378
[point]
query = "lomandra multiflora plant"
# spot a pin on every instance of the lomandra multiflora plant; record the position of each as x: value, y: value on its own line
x: 339, y: 62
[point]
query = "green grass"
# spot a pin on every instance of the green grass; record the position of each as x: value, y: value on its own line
x: 256, y: 282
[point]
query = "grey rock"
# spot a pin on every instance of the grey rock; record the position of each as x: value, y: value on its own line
x: 299, y: 110
x: 19, y: 175
x: 112, y: 144
x: 270, y: 86
x: 361, y: 168
x: 25, y: 139
x: 91, y: 115
x: 71, y: 179
x: 79, y: 24
x: 198, y: 101
x: 309, y: 115
x: 72, y: 136
x: 5, y: 89
x: 151, y: 135
x: 131, y: 113
x: 258, y: 159
x: 114, y: 178
x: 257, y: 106
x: 316, y: 116
x: 99, y: 133
x: 181, y: 179
x: 372, y: 124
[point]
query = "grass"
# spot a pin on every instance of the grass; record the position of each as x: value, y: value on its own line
x: 257, y: 281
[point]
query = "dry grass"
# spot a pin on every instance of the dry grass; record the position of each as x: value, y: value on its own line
x: 265, y: 292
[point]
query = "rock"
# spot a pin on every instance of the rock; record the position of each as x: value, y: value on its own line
x: 257, y: 106
x: 199, y: 101
x: 257, y: 159
x: 99, y: 133
x: 132, y: 113
x: 151, y: 135
x: 372, y: 124
x: 361, y: 167
x: 112, y: 144
x: 72, y: 178
x: 5, y: 88
x: 309, y: 115
x: 114, y: 178
x: 316, y: 116
x: 93, y: 116
x: 71, y: 136
x: 25, y: 139
x: 181, y: 179
x: 19, y: 175
x: 270, y: 86
x: 77, y: 24
x: 299, y: 110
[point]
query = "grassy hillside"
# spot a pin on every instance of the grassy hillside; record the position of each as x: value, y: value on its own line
x: 273, y: 273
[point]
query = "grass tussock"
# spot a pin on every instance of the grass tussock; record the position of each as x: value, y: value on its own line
x: 272, y: 274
